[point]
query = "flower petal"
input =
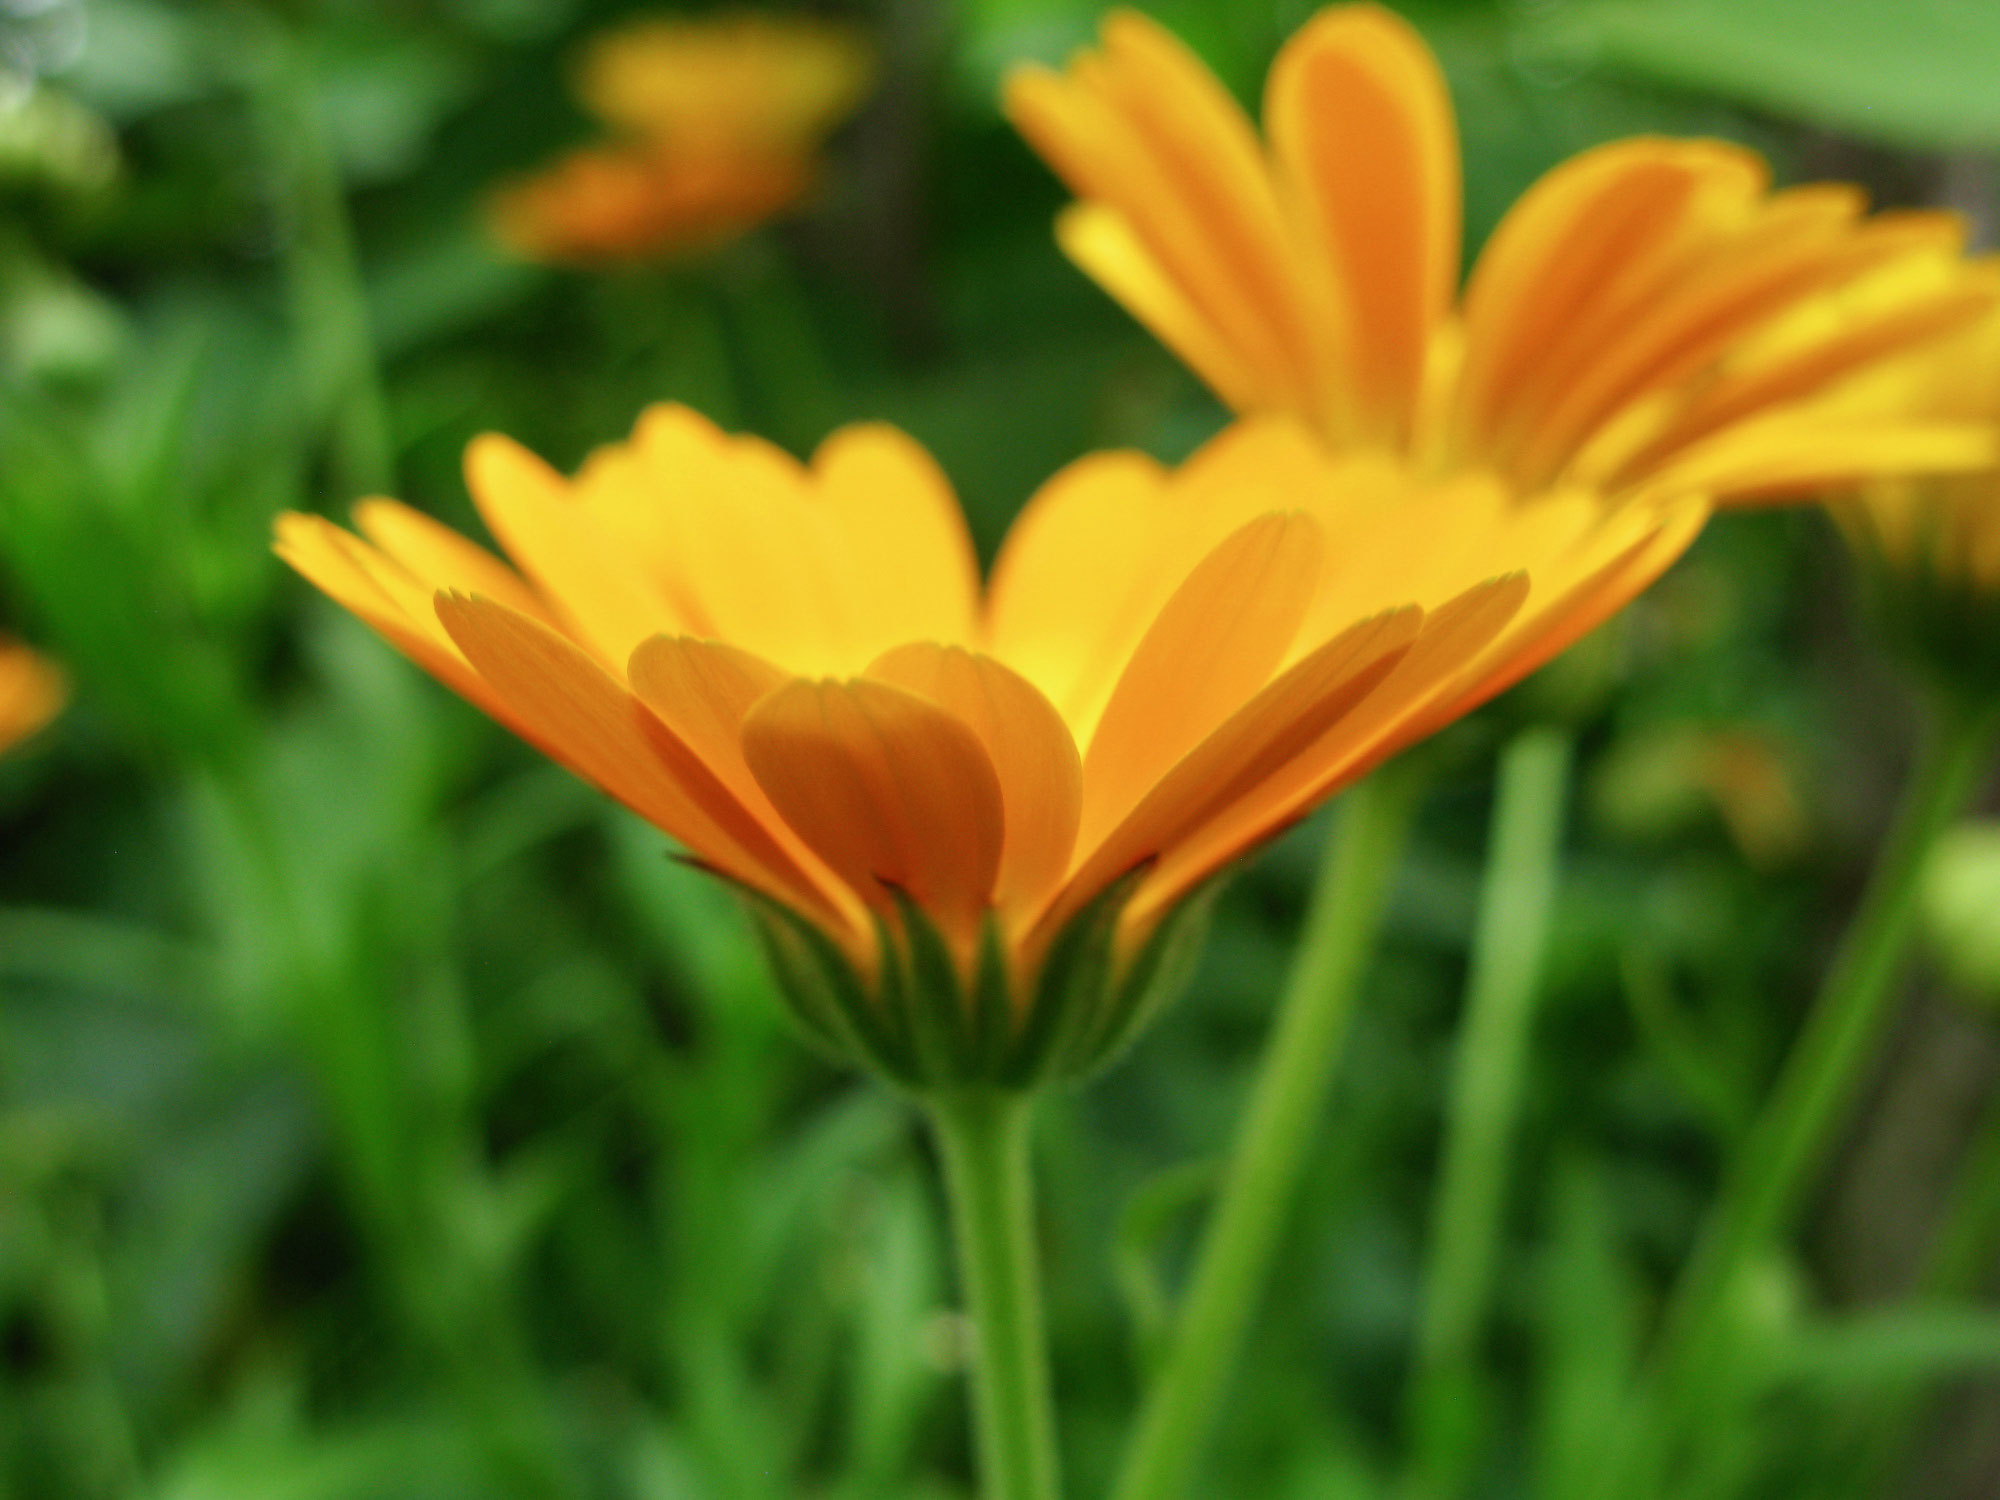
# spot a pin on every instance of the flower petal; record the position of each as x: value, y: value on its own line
x: 1575, y: 241
x: 598, y: 592
x: 1145, y: 128
x: 888, y: 789
x: 1041, y: 774
x: 1452, y: 635
x: 580, y: 715
x: 439, y: 558
x: 1107, y: 248
x: 909, y: 564
x: 1361, y: 131
x: 1286, y: 720
x: 1217, y: 641
x: 702, y: 690
x: 355, y: 576
x: 1061, y: 600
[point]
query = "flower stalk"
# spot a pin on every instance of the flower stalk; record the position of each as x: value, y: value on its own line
x: 1516, y: 900
x: 1284, y: 1111
x: 983, y: 1138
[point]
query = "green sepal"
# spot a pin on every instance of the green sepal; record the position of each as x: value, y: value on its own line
x: 1153, y: 976
x: 1076, y: 974
x: 828, y: 996
x: 916, y: 1021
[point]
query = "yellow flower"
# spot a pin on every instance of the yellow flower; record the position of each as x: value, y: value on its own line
x: 1649, y: 319
x: 717, y: 125
x: 727, y: 84
x: 32, y: 692
x: 1933, y: 542
x: 998, y: 793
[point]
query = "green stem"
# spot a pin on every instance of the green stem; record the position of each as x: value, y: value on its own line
x: 1780, y: 1158
x: 1517, y: 895
x: 982, y: 1135
x: 1282, y: 1119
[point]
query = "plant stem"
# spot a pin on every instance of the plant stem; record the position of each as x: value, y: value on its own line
x: 1517, y: 895
x: 1787, y: 1144
x: 982, y: 1135
x: 1284, y: 1111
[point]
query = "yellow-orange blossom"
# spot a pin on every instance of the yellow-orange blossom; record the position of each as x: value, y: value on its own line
x: 1649, y: 319
x: 794, y: 670
x: 32, y: 692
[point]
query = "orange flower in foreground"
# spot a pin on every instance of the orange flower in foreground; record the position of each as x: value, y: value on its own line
x: 31, y: 693
x: 999, y: 795
x: 1649, y: 318
x: 718, y: 124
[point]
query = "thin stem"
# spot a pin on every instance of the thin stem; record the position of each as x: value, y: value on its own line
x: 1280, y: 1123
x: 982, y: 1136
x: 1517, y: 895
x: 1780, y: 1158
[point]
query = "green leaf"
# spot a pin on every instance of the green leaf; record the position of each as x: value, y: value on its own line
x: 1919, y: 74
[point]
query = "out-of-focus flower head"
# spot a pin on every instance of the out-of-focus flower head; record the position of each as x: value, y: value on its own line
x: 971, y: 816
x: 717, y: 127
x: 1931, y: 543
x: 1650, y: 319
x: 32, y: 692
x: 727, y: 84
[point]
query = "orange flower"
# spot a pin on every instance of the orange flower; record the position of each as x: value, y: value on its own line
x: 604, y: 204
x: 718, y: 123
x: 1649, y: 319
x: 31, y: 692
x: 1000, y: 795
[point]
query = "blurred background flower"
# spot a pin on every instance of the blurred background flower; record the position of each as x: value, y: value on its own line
x: 32, y: 692
x: 718, y: 121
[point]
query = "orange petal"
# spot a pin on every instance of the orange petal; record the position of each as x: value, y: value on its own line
x: 1289, y: 718
x: 597, y: 590
x: 1797, y: 453
x: 581, y: 716
x: 701, y: 690
x: 1361, y: 130
x: 909, y: 561
x: 350, y: 572
x: 1805, y: 372
x: 1041, y: 774
x: 1568, y: 244
x: 1217, y: 641
x: 439, y: 558
x: 1145, y: 128
x: 1108, y: 249
x: 1560, y: 621
x: 1452, y: 635
x: 888, y: 789
x: 1060, y: 599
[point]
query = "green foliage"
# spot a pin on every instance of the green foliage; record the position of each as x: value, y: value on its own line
x: 1918, y: 75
